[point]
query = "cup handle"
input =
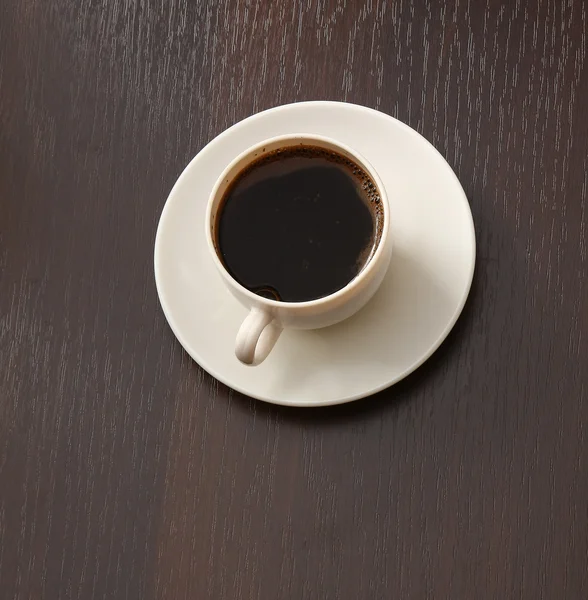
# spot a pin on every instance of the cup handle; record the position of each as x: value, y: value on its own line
x: 257, y: 336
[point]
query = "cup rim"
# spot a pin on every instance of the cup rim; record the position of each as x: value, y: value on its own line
x: 351, y: 285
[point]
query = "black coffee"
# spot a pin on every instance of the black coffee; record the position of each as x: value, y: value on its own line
x: 298, y: 224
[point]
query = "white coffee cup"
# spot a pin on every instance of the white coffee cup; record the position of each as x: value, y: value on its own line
x: 267, y: 318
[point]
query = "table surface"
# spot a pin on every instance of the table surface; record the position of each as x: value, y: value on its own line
x: 126, y: 471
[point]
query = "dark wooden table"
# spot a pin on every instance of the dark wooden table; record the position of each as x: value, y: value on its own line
x: 126, y: 471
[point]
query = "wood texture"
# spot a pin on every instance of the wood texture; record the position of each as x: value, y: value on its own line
x: 128, y: 472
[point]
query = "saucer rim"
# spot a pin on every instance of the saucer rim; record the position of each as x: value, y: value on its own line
x: 342, y: 399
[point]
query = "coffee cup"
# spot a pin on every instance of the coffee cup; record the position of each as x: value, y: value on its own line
x: 269, y: 316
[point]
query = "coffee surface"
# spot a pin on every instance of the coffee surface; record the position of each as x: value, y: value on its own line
x: 298, y: 224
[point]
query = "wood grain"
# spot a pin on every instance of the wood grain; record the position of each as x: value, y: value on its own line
x: 128, y: 472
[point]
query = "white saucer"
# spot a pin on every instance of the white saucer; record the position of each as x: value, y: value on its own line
x: 412, y: 313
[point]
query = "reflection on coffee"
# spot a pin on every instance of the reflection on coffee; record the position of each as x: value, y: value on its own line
x: 298, y: 224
